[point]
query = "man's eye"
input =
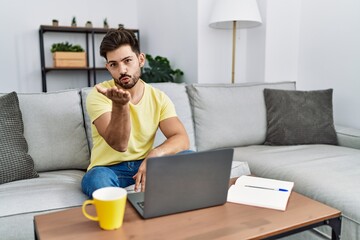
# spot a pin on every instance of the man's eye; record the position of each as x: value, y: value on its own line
x: 113, y: 64
x: 128, y: 60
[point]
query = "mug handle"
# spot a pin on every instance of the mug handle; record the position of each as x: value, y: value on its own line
x: 88, y: 202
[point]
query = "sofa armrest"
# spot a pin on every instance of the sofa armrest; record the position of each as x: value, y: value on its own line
x: 348, y: 137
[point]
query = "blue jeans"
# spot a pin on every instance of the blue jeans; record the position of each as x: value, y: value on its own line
x: 118, y: 175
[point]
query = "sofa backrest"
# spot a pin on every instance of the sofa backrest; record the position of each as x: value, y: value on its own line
x: 54, y: 130
x: 178, y: 95
x: 84, y: 93
x: 230, y: 115
x: 176, y: 92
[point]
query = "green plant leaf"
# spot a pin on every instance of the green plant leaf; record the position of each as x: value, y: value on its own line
x: 159, y: 70
x: 65, y: 47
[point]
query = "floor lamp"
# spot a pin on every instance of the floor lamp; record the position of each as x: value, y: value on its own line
x: 233, y: 14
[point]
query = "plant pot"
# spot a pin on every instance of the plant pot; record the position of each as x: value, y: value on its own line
x: 69, y: 59
x: 55, y: 23
x: 88, y: 24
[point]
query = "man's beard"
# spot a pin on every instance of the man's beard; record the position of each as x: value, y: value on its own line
x: 130, y: 84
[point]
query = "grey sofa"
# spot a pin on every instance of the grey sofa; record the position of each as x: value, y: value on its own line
x: 57, y: 130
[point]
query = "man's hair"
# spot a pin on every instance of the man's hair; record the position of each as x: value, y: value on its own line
x: 116, y: 38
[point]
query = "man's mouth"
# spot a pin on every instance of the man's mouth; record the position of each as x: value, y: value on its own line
x: 125, y: 79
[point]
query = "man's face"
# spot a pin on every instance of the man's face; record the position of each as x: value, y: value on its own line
x: 124, y: 66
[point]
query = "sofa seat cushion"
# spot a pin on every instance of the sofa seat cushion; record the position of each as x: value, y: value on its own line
x: 52, y: 190
x: 230, y: 115
x: 327, y: 173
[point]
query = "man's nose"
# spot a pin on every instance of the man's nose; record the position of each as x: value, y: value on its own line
x: 122, y: 68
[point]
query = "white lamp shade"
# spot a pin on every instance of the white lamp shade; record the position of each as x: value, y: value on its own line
x: 244, y: 12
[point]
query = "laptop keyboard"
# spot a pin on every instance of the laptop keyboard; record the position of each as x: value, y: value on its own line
x: 141, y: 204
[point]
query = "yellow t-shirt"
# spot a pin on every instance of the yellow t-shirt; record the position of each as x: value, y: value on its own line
x: 145, y: 116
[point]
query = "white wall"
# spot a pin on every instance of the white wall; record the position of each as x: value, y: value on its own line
x: 214, y: 48
x: 282, y: 40
x: 19, y: 48
x: 169, y: 29
x: 329, y: 54
x: 316, y: 44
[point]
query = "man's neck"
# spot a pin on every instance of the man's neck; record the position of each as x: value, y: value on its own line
x: 137, y: 92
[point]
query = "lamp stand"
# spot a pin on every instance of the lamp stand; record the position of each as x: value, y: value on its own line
x: 233, y: 53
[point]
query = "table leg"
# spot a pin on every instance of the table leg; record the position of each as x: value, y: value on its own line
x: 335, y: 224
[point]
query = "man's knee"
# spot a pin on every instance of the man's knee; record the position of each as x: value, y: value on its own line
x: 98, y: 177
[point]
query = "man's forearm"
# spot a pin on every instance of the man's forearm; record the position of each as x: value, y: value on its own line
x: 115, y: 126
x: 172, y: 145
x: 118, y: 130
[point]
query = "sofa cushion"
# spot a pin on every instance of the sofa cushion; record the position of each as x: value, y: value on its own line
x: 299, y: 117
x: 54, y: 129
x: 52, y: 190
x: 177, y: 94
x: 230, y: 115
x: 348, y: 137
x: 84, y: 93
x: 15, y: 162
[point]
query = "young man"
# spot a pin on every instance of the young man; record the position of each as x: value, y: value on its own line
x: 125, y: 113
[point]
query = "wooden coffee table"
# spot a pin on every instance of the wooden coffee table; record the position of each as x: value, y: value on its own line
x: 229, y: 221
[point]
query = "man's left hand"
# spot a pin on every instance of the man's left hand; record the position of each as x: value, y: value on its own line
x: 140, y: 176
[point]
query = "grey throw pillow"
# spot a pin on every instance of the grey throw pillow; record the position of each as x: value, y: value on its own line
x: 299, y: 117
x: 15, y: 162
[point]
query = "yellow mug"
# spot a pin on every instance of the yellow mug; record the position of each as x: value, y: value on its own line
x: 110, y: 204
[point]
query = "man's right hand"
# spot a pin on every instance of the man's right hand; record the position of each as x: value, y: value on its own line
x: 115, y: 126
x: 118, y: 96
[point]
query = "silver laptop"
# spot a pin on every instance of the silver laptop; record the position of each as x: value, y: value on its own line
x: 184, y: 182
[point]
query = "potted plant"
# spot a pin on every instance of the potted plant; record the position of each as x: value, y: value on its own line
x: 68, y: 55
x: 88, y: 24
x: 106, y: 25
x: 159, y: 70
x: 73, y: 22
x: 55, y: 22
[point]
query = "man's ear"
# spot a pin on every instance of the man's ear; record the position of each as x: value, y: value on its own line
x: 106, y: 63
x: 107, y: 66
x: 142, y: 59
